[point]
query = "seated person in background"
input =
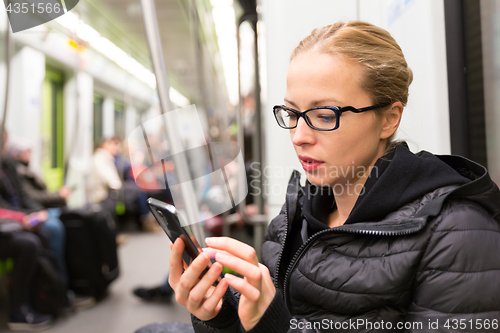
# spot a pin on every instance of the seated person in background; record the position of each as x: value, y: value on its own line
x: 13, y: 197
x: 132, y: 196
x: 33, y: 184
x: 104, y: 175
x: 23, y: 247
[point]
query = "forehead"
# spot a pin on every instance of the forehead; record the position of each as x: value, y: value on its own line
x: 314, y: 76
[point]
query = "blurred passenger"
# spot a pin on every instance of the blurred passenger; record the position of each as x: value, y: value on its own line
x: 162, y: 292
x: 104, y: 174
x: 132, y: 196
x: 33, y: 184
x: 36, y: 189
x: 23, y: 247
x: 13, y: 197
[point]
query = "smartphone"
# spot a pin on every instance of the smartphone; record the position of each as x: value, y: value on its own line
x: 166, y: 215
x: 34, y: 221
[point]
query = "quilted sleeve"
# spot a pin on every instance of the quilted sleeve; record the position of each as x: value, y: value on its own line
x: 457, y: 288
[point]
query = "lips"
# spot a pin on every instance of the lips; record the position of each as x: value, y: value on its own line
x: 309, y: 163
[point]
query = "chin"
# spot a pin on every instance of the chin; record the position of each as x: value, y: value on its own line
x: 318, y: 180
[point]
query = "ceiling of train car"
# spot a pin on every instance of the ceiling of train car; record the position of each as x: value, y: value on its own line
x: 176, y: 36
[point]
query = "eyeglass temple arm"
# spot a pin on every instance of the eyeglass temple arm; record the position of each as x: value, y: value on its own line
x: 368, y: 108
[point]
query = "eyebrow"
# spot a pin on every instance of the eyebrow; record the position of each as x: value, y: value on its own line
x: 316, y: 103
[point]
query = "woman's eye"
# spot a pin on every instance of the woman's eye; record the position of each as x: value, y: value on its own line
x: 326, y: 118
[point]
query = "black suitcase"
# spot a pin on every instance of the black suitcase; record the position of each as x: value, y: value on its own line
x: 91, y: 255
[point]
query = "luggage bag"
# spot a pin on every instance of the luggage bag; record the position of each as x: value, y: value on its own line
x: 91, y: 255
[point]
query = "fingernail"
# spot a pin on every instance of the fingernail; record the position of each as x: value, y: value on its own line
x: 209, y: 252
x: 211, y: 240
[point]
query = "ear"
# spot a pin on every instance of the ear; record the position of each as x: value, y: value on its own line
x: 391, y: 119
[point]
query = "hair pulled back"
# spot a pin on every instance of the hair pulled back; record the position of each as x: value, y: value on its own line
x: 386, y: 75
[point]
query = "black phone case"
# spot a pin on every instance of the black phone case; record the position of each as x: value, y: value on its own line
x: 167, y: 218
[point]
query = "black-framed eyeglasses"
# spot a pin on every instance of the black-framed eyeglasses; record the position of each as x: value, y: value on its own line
x: 322, y: 118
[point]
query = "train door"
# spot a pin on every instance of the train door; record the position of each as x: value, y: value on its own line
x: 53, y: 129
x: 119, y: 121
x: 97, y: 119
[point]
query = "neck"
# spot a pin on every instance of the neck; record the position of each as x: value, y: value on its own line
x: 347, y: 197
x: 345, y: 202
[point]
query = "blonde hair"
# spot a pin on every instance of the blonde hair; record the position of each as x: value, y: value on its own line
x: 386, y: 75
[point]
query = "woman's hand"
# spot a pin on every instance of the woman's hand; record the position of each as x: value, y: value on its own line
x: 256, y: 288
x: 64, y: 192
x: 35, y: 220
x: 198, y: 295
x: 27, y: 221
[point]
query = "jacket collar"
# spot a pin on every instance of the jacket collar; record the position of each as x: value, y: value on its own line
x: 471, y: 182
x: 481, y: 189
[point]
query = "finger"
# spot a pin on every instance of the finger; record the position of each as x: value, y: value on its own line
x: 248, y: 270
x: 200, y: 290
x: 264, y: 270
x: 176, y: 262
x: 212, y: 252
x: 245, y: 288
x: 214, y: 301
x: 234, y: 247
x: 191, y: 276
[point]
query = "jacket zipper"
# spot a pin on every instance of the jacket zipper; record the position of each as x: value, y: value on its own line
x: 276, y: 273
x: 303, y: 248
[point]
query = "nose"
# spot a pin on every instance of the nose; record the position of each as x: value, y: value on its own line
x: 302, y: 134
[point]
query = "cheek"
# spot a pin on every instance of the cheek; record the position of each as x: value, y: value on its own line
x: 353, y: 142
x: 362, y: 128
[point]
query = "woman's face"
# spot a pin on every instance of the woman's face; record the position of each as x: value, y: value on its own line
x: 344, y: 155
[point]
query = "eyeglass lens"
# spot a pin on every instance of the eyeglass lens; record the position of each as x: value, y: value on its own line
x: 318, y: 118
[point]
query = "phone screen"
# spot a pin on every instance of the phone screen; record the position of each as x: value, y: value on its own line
x: 34, y: 221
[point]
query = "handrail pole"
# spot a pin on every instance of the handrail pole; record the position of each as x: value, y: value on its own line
x: 162, y: 83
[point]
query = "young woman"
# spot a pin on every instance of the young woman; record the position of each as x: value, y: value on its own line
x: 380, y: 238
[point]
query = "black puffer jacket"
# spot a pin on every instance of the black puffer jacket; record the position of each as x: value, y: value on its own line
x: 34, y: 186
x: 420, y: 252
x: 12, y: 194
